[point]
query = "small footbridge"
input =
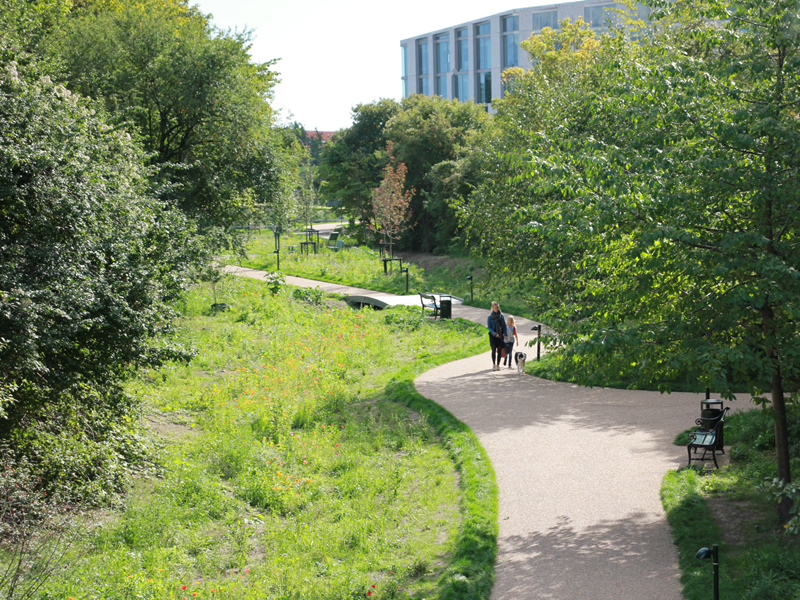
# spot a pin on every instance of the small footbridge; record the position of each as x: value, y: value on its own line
x: 381, y: 301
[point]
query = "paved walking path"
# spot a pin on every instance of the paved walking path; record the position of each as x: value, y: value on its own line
x: 579, y: 472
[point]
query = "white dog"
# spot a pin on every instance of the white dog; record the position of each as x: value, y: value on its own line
x: 520, y: 358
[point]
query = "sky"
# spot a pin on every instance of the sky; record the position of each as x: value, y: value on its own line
x: 335, y: 54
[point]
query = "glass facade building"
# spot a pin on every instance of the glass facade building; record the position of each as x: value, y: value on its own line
x: 466, y: 61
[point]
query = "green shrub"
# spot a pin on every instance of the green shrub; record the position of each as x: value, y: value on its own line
x: 773, y: 574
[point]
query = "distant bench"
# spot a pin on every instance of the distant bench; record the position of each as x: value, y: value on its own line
x: 433, y: 303
x: 708, y: 436
x: 334, y: 243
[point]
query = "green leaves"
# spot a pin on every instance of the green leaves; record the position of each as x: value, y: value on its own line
x: 90, y: 262
x: 191, y: 92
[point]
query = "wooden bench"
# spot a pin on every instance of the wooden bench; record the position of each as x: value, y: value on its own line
x: 708, y: 436
x: 432, y: 302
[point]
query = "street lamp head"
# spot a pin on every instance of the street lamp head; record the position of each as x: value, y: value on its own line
x: 404, y: 270
x: 469, y: 277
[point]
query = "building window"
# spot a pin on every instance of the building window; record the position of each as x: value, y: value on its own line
x: 510, y: 23
x: 441, y: 86
x: 510, y: 41
x: 461, y: 86
x: 483, y: 62
x: 442, y: 62
x: 483, y: 46
x: 484, y: 88
x: 422, y: 57
x: 597, y: 16
x: 442, y: 53
x: 423, y: 86
x: 462, y: 50
x: 545, y: 19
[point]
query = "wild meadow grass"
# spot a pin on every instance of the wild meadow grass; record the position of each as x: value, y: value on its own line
x: 360, y: 266
x: 299, y: 462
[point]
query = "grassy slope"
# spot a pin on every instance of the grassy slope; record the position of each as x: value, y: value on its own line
x: 300, y: 463
x: 361, y: 267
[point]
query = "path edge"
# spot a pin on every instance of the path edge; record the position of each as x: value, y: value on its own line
x: 471, y: 571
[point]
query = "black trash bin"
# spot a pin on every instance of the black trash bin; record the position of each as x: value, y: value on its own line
x: 445, y: 307
x: 711, y: 408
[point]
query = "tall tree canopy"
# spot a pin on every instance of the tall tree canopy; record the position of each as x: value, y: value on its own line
x: 652, y: 189
x: 352, y: 161
x: 191, y: 92
x: 426, y: 132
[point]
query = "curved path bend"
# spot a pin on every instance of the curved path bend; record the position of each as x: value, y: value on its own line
x: 579, y: 472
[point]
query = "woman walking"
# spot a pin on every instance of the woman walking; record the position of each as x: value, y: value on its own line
x: 497, y: 330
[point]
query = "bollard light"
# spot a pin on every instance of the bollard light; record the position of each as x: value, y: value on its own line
x: 405, y: 270
x: 469, y: 278
x: 538, y: 330
x: 712, y: 553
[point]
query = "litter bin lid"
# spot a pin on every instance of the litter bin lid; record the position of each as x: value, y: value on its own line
x: 711, y: 403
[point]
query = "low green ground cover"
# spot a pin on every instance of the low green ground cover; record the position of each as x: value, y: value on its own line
x: 731, y: 507
x: 360, y: 266
x: 554, y: 367
x: 299, y: 462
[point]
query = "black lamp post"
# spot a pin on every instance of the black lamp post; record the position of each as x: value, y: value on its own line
x: 713, y: 554
x: 405, y: 270
x: 277, y: 233
x: 469, y: 278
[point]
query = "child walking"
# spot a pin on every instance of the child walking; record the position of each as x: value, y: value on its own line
x: 509, y: 338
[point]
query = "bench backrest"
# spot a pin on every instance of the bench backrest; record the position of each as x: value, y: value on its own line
x: 428, y: 297
x: 713, y: 423
x: 334, y: 236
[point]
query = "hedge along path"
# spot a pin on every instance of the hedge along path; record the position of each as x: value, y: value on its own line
x: 579, y: 472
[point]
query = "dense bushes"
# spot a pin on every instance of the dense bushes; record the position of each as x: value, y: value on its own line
x: 91, y: 265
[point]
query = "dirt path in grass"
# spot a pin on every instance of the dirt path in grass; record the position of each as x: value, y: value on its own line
x: 579, y: 472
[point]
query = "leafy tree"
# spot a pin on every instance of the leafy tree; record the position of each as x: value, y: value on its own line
x: 390, y: 200
x: 307, y: 193
x: 428, y: 131
x: 190, y: 91
x: 91, y: 266
x: 23, y: 23
x: 353, y: 160
x: 290, y: 156
x: 657, y: 192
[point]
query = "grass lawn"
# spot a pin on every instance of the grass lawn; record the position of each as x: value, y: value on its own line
x: 298, y: 462
x: 361, y: 267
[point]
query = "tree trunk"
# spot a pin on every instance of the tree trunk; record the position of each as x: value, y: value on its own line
x: 779, y: 406
x: 781, y: 442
